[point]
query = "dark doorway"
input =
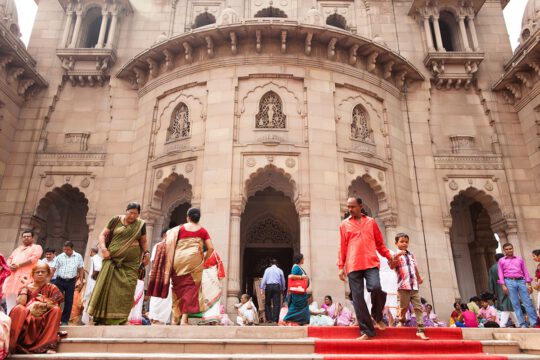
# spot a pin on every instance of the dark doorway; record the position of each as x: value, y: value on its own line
x: 256, y: 260
x: 178, y: 216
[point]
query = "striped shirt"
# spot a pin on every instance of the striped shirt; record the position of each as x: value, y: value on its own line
x: 67, y: 266
x: 406, y: 269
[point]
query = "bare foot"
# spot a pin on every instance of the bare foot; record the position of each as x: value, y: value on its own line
x: 380, y: 325
x: 364, y: 337
x: 422, y: 335
x: 62, y: 334
x: 51, y: 352
x: 184, y: 324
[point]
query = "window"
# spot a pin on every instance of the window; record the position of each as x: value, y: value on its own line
x: 204, y: 19
x: 271, y: 12
x: 449, y: 32
x: 90, y: 35
x: 180, y: 127
x: 337, y: 21
x: 360, y: 126
x: 270, y: 114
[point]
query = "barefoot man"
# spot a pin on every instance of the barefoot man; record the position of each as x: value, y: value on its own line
x: 361, y: 238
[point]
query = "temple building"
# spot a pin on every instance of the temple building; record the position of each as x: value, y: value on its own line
x: 268, y: 114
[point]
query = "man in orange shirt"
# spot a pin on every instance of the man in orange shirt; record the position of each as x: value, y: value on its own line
x: 361, y: 239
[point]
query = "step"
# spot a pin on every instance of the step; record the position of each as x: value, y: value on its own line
x: 178, y: 346
x: 188, y: 332
x: 130, y: 356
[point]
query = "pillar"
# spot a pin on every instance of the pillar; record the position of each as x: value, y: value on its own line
x: 463, y: 31
x: 233, y: 272
x: 438, y: 37
x: 451, y: 265
x: 472, y: 27
x: 102, y: 30
x: 76, y: 31
x: 427, y: 30
x: 480, y: 269
x: 67, y: 29
x: 112, y: 31
x: 305, y: 243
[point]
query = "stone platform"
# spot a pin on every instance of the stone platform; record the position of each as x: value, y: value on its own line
x: 258, y: 342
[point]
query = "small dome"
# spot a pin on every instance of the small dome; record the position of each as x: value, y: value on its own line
x: 8, y: 15
x: 530, y: 20
x: 314, y: 17
x: 228, y: 16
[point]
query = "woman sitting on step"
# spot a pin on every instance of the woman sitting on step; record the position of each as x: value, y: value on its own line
x: 35, y: 320
x: 247, y: 312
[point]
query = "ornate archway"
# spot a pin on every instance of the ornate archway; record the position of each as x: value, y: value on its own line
x: 472, y: 238
x: 170, y: 203
x: 61, y: 216
x: 269, y: 225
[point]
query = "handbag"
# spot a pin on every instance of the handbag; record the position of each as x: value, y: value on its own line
x: 109, y: 236
x: 297, y: 286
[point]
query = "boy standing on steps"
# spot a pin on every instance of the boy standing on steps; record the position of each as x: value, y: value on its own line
x: 404, y: 264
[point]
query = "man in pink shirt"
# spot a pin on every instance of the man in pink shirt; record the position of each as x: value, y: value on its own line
x: 21, y: 262
x: 516, y: 283
x: 360, y: 240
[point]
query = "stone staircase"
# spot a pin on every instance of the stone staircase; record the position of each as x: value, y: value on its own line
x: 259, y: 342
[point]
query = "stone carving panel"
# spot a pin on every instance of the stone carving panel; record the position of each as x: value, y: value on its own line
x: 270, y: 114
x: 180, y: 126
x: 268, y: 231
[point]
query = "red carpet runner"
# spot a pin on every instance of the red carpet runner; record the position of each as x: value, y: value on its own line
x: 338, y: 343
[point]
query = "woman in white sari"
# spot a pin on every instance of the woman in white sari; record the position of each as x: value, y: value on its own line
x: 159, y: 309
x: 247, y: 312
x: 317, y: 317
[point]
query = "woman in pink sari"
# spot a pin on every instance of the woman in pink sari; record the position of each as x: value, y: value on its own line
x: 329, y: 307
x: 35, y: 320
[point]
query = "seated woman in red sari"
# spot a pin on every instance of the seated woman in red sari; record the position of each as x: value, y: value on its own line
x: 35, y: 320
x: 180, y: 260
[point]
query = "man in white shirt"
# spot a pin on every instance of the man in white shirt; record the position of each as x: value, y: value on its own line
x: 68, y: 268
x: 49, y: 259
x: 95, y: 267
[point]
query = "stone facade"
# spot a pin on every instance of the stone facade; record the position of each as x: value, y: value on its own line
x: 267, y: 115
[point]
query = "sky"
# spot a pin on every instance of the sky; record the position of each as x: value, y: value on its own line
x: 512, y: 15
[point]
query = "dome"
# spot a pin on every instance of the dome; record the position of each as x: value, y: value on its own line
x: 228, y: 16
x: 8, y: 15
x: 530, y: 20
x: 314, y: 17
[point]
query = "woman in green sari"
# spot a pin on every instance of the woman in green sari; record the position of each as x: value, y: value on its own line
x: 112, y: 298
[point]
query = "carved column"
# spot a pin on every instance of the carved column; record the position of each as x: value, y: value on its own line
x: 447, y: 221
x: 427, y: 30
x: 480, y: 268
x: 305, y: 241
x: 76, y: 30
x: 112, y: 30
x: 102, y: 29
x: 438, y: 37
x: 463, y: 31
x: 233, y: 273
x: 67, y: 29
x: 472, y: 27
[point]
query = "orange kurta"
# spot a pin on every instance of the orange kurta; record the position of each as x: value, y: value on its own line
x: 359, y: 242
x: 21, y: 276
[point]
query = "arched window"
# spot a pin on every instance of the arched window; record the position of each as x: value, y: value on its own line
x: 271, y: 12
x: 337, y: 21
x: 204, y: 19
x: 92, y: 26
x: 270, y: 114
x: 360, y: 125
x: 449, y: 31
x: 180, y: 127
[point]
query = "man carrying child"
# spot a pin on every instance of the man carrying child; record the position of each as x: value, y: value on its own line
x: 409, y: 279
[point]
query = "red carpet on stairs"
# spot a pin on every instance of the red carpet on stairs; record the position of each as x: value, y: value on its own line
x: 339, y: 343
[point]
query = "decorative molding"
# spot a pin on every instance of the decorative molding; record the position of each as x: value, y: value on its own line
x: 195, y: 46
x: 469, y: 162
x: 453, y: 70
x: 70, y: 159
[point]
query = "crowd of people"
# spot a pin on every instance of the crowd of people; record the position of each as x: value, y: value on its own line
x: 185, y: 282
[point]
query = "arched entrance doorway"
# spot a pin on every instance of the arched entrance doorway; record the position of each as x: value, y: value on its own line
x: 61, y: 216
x: 269, y: 226
x: 172, y: 200
x: 360, y: 187
x: 473, y: 240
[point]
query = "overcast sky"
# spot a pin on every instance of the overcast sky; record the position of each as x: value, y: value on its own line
x: 512, y: 14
